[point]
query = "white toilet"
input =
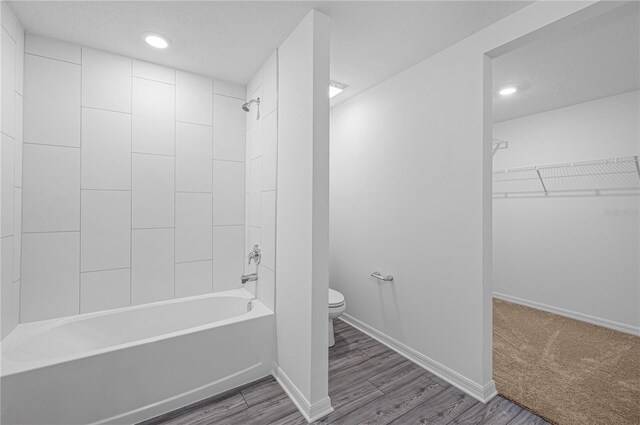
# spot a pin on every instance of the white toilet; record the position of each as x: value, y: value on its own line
x: 337, y: 306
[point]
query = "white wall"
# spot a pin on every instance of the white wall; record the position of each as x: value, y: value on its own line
x: 12, y: 55
x: 133, y: 182
x: 569, y: 252
x: 303, y: 216
x: 260, y: 191
x: 411, y: 196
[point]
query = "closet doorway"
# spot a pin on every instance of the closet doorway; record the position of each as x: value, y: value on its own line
x: 566, y: 251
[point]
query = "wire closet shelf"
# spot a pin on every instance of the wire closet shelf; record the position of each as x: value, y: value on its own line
x: 600, y: 177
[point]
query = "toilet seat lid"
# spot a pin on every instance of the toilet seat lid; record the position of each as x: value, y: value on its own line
x: 335, y: 298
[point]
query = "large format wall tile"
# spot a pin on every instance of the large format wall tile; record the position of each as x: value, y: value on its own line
x: 266, y: 288
x: 104, y: 290
x: 17, y: 232
x: 228, y: 258
x: 153, y: 191
x: 193, y: 227
x: 8, y: 298
x: 106, y: 80
x: 6, y: 185
x: 152, y: 266
x: 17, y: 166
x: 269, y: 151
x: 153, y: 117
x: 270, y: 84
x: 255, y: 217
x: 53, y: 49
x: 106, y: 149
x: 194, y: 98
x: 228, y: 128
x: 51, y: 102
x: 19, y: 80
x: 8, y: 112
x: 193, y: 278
x: 151, y: 71
x: 50, y: 277
x: 51, y: 189
x: 228, y: 193
x: 255, y: 125
x: 105, y: 229
x: 228, y: 89
x: 193, y: 157
x: 269, y: 229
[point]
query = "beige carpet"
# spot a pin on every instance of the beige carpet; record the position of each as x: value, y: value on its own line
x: 567, y: 371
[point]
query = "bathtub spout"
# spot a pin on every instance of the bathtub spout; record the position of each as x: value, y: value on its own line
x: 249, y: 278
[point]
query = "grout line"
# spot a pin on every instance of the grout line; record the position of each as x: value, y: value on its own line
x: 175, y: 162
x: 53, y: 146
x: 105, y: 190
x: 228, y: 95
x: 103, y: 109
x: 194, y: 261
x: 80, y: 185
x: 51, y: 231
x: 147, y: 79
x: 149, y: 153
x: 21, y: 198
x: 104, y: 270
x: 9, y: 34
x: 213, y: 114
x: 228, y: 160
x: 227, y: 225
x: 131, y: 197
x: 152, y: 228
x: 194, y: 123
x: 55, y: 59
x: 194, y: 191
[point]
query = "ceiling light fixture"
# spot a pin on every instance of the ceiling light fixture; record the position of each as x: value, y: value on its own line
x: 335, y: 88
x: 156, y: 40
x: 508, y: 91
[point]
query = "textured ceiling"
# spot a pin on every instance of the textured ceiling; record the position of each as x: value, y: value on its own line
x: 370, y: 41
x: 595, y: 59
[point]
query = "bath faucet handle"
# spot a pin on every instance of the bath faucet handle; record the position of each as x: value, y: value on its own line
x: 255, y: 254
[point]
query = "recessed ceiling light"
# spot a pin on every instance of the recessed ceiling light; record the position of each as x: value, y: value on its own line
x: 156, y: 40
x: 335, y: 88
x: 508, y: 91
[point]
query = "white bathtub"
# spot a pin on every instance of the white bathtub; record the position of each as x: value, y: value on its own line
x: 127, y: 365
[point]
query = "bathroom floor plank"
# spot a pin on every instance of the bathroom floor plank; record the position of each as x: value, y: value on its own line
x: 350, y: 399
x: 362, y: 371
x: 214, y: 411
x: 397, y: 376
x: 347, y: 360
x: 527, y: 418
x: 385, y: 409
x: 439, y: 409
x: 368, y: 384
x: 498, y: 411
x: 264, y: 413
x: 263, y: 391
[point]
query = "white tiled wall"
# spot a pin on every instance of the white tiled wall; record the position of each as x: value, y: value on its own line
x: 134, y: 180
x: 260, y: 188
x: 11, y: 81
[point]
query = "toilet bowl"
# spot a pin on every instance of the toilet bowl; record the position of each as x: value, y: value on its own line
x: 337, y: 306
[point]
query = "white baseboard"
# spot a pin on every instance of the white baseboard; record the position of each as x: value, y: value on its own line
x: 482, y: 393
x: 311, y: 412
x: 622, y: 327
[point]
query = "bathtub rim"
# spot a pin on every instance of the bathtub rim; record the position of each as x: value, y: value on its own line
x: 28, y: 330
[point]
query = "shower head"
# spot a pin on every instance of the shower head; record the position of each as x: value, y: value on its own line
x: 246, y: 106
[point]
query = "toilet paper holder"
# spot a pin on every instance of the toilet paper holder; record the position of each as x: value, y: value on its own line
x: 387, y: 278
